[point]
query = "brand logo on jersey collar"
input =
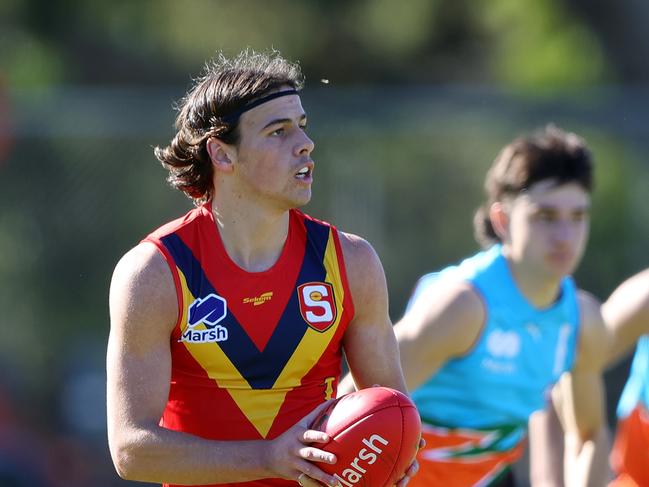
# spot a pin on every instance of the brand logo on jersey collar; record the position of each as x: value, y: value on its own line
x: 317, y: 304
x: 261, y: 299
x: 207, y: 311
x: 534, y: 331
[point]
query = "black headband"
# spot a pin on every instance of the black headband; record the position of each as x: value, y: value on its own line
x: 234, y: 116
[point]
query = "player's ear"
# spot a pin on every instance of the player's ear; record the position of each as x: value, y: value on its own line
x: 221, y: 154
x: 499, y: 219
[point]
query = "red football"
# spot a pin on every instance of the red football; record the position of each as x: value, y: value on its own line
x: 374, y: 434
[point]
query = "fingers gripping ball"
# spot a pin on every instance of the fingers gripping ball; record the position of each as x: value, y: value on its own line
x: 374, y: 434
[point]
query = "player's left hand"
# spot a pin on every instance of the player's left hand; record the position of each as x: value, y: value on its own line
x: 412, y: 469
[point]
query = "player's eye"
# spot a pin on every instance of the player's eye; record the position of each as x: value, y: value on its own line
x: 546, y: 216
x: 579, y: 216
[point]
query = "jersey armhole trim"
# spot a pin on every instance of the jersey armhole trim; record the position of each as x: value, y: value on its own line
x: 343, y: 272
x: 471, y: 348
x: 174, y: 273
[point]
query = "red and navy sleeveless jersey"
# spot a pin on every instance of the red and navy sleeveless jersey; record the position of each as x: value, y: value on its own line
x: 253, y: 353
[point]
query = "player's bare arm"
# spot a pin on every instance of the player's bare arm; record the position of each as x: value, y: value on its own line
x: 143, y: 309
x: 581, y: 402
x: 626, y: 314
x: 626, y: 317
x: 369, y: 343
x: 442, y: 323
x: 546, y: 448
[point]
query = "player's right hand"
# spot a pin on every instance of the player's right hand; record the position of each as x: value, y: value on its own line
x: 291, y: 455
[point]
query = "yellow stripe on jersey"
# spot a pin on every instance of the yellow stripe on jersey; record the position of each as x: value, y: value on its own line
x: 219, y: 368
x: 314, y: 342
x: 261, y: 406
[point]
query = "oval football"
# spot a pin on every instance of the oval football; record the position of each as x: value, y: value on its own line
x: 374, y: 434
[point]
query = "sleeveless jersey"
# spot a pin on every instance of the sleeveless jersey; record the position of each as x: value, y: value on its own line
x: 520, y: 353
x: 253, y: 353
x: 636, y: 389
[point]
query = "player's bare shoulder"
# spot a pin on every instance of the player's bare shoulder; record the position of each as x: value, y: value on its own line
x: 594, y: 338
x: 626, y: 313
x: 142, y: 289
x: 358, y: 252
x: 451, y: 295
x: 449, y: 311
x: 363, y: 266
x: 632, y: 296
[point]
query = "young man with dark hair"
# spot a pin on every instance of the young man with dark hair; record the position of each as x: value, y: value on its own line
x: 483, y: 343
x: 228, y: 325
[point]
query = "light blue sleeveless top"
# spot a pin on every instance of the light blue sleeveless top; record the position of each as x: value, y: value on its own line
x: 519, y: 354
x: 636, y: 389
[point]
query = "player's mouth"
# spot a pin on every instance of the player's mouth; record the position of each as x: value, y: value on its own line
x: 305, y: 173
x: 559, y: 257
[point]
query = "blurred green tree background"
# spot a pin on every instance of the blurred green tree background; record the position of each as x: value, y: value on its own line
x: 418, y: 99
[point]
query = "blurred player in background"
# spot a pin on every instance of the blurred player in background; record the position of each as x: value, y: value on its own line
x: 626, y: 314
x: 483, y: 343
x: 228, y: 324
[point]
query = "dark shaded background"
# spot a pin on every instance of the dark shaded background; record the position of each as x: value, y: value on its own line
x: 420, y: 97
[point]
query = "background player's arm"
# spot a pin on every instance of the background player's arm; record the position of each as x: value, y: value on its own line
x: 580, y: 402
x: 546, y: 448
x: 143, y: 311
x: 626, y: 313
x: 443, y: 322
x: 369, y: 343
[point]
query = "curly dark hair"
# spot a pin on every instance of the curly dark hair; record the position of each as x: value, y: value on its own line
x: 548, y: 154
x: 206, y: 111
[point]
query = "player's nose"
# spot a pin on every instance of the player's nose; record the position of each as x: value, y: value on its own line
x: 304, y: 145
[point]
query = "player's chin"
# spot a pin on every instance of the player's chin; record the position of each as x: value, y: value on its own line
x: 302, y: 198
x: 561, y: 265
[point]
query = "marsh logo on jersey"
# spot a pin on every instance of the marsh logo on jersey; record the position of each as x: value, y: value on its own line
x: 503, y: 343
x: 317, y: 304
x: 502, y: 347
x: 208, y: 311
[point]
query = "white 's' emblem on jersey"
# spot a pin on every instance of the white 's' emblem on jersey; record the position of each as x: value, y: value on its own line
x: 504, y: 344
x: 317, y: 304
x: 208, y: 311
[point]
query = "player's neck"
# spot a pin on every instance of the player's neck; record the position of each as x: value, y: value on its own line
x: 254, y: 240
x: 541, y: 291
